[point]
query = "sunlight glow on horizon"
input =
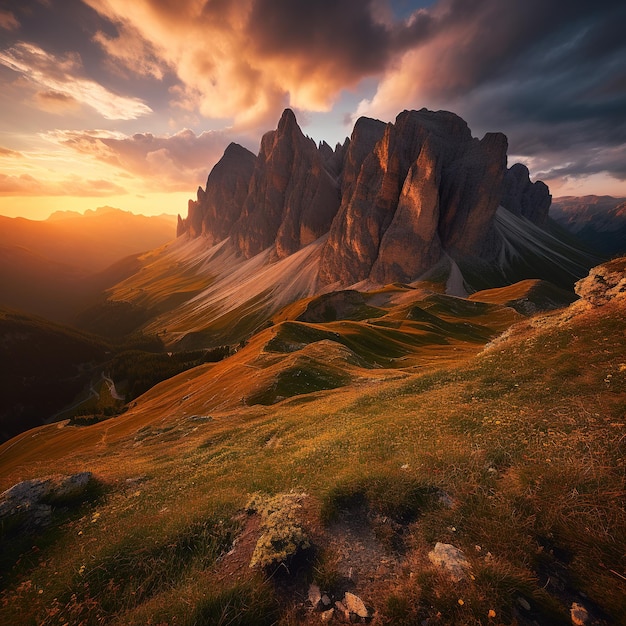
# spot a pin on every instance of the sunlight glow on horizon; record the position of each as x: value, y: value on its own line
x: 40, y: 208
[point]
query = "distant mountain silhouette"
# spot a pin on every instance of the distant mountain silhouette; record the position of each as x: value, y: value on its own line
x: 598, y: 221
x: 58, y: 266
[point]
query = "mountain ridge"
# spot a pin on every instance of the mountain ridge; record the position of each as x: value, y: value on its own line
x: 394, y: 199
x: 598, y: 221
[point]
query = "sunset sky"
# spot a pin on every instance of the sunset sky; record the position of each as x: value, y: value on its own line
x: 129, y: 103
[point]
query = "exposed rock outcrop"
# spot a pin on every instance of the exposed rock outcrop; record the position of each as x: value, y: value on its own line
x: 395, y: 199
x: 30, y: 502
x: 524, y: 198
x: 292, y: 199
x: 426, y: 187
x: 219, y: 206
x: 605, y: 283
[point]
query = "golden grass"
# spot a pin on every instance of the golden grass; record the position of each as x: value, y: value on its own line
x: 515, y: 460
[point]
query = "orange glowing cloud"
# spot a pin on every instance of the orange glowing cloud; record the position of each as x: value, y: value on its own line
x: 56, y: 102
x: 27, y: 185
x: 11, y: 154
x: 177, y: 162
x: 247, y: 59
x: 60, y: 78
x: 132, y: 52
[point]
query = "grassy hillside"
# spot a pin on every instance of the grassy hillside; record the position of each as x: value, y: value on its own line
x: 513, y: 453
x: 51, y: 371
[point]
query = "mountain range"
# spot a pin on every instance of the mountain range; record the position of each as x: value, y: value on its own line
x: 414, y: 207
x: 597, y: 221
x: 419, y: 199
x: 393, y: 201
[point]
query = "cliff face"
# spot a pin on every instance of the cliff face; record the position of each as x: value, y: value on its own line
x: 526, y: 199
x: 219, y: 206
x: 292, y: 198
x: 394, y: 198
x: 426, y: 187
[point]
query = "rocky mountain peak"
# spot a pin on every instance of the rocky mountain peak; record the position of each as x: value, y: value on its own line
x: 525, y: 198
x: 292, y: 199
x: 287, y: 122
x: 394, y: 199
x: 219, y: 206
x: 426, y: 188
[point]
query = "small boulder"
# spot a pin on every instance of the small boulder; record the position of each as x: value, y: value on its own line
x: 326, y: 616
x: 355, y: 605
x: 605, y: 283
x: 315, y: 596
x: 342, y: 611
x: 579, y: 614
x: 451, y: 559
x: 30, y: 501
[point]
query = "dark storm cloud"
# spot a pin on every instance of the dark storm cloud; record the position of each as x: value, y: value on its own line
x: 612, y: 161
x: 341, y: 30
x: 569, y: 98
x: 551, y: 75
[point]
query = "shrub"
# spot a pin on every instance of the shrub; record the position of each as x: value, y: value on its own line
x: 282, y: 535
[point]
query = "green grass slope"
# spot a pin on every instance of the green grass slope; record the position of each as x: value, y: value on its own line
x: 513, y: 452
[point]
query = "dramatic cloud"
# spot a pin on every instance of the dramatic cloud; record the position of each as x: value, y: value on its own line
x: 175, y: 163
x: 131, y: 51
x: 26, y: 185
x: 315, y: 49
x: 247, y: 59
x: 60, y: 76
x: 550, y: 75
x: 611, y: 160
